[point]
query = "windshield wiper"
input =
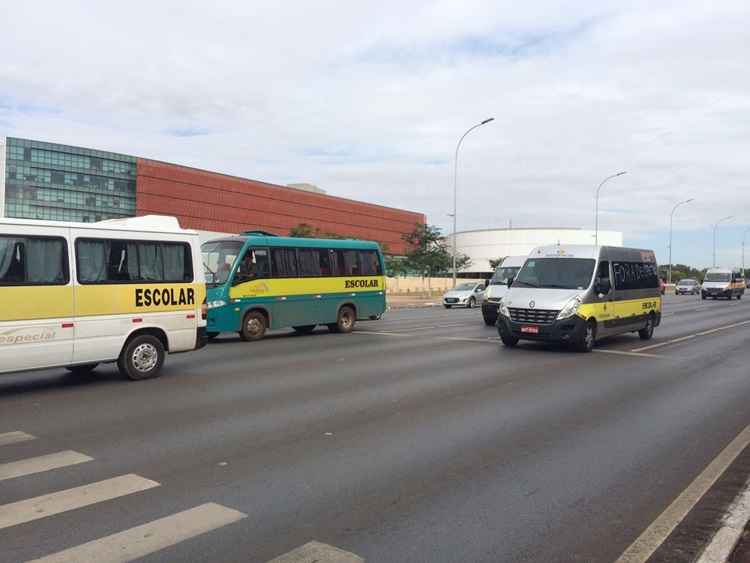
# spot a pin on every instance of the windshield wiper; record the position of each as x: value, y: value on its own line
x: 557, y: 286
x: 527, y: 284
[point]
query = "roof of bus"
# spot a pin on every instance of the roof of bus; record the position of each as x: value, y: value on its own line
x: 302, y: 242
x: 144, y: 223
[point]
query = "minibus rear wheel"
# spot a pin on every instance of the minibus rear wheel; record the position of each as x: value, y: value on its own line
x: 141, y: 357
x: 345, y: 321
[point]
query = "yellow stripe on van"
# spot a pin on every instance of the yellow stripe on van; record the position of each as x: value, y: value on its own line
x: 306, y: 286
x: 607, y: 310
x: 36, y: 302
x: 138, y: 298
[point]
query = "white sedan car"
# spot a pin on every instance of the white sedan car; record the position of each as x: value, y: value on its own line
x: 469, y: 295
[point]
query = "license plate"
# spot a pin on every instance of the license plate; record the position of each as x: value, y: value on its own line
x: 530, y: 329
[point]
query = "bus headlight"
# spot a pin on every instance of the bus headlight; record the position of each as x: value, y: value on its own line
x: 502, y: 308
x: 570, y: 309
x: 216, y: 304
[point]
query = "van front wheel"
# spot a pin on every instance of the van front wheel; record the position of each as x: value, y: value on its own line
x: 588, y: 338
x: 142, y: 357
x: 647, y: 332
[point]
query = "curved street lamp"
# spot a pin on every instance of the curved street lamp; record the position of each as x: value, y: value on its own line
x: 455, y: 188
x: 671, y: 218
x: 596, y: 207
x: 727, y: 218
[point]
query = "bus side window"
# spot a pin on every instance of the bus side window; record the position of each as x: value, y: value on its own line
x: 254, y: 265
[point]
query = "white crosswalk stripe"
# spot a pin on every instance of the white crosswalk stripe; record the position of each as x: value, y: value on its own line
x: 40, y: 464
x: 55, y: 503
x: 146, y: 539
x: 14, y: 437
x: 120, y: 546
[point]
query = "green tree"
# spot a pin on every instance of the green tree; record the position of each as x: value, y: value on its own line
x: 495, y: 263
x: 428, y: 252
x: 303, y: 230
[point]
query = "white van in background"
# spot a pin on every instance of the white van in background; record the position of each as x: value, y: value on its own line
x: 498, y: 286
x: 79, y: 294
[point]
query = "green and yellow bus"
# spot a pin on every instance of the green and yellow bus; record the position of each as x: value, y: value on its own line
x: 258, y: 281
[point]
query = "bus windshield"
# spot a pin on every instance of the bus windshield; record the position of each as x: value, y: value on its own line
x: 718, y: 277
x: 218, y: 258
x: 556, y: 273
x: 502, y: 275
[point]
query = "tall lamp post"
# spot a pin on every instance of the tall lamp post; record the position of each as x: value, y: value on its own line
x: 455, y: 188
x: 744, y: 236
x: 727, y: 218
x: 671, y: 218
x: 596, y: 207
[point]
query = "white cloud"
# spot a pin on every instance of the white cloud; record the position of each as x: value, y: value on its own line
x: 368, y: 100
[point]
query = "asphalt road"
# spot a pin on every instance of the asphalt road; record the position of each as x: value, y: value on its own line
x: 417, y: 438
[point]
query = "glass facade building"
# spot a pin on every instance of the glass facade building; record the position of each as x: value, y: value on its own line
x: 64, y: 183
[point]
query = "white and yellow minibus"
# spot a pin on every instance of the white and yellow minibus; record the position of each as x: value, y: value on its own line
x: 76, y: 295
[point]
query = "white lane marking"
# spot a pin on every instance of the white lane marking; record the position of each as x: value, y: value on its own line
x: 61, y: 501
x: 453, y: 338
x: 690, y: 336
x: 724, y: 541
x: 315, y: 551
x: 42, y: 463
x: 383, y: 333
x: 624, y: 353
x: 653, y: 536
x: 143, y: 540
x: 14, y: 437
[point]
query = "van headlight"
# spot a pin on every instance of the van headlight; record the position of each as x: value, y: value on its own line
x: 570, y: 309
x: 216, y: 304
x: 502, y: 308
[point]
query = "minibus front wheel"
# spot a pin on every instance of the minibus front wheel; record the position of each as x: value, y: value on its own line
x: 254, y: 325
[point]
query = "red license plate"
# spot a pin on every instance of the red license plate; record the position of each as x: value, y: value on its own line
x: 530, y: 329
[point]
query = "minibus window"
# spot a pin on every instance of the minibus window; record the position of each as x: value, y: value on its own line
x: 218, y: 259
x: 556, y: 273
x: 254, y: 265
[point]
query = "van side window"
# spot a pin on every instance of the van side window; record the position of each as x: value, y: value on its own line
x: 33, y: 261
x: 635, y: 275
x: 603, y: 271
x: 284, y: 262
x: 129, y: 261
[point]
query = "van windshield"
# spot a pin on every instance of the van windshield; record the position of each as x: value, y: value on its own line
x: 556, y: 273
x: 718, y: 277
x: 502, y: 275
x: 218, y: 258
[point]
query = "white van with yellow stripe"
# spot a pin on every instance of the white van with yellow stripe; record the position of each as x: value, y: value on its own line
x: 579, y: 294
x: 80, y: 294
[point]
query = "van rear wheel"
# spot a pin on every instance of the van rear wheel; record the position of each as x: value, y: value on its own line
x: 647, y: 332
x: 141, y: 357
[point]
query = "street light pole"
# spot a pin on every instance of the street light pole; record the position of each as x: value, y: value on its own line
x: 744, y: 236
x: 727, y: 218
x: 671, y: 218
x: 596, y: 207
x: 455, y: 188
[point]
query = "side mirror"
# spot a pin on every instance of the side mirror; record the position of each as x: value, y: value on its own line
x: 510, y: 281
x: 602, y: 286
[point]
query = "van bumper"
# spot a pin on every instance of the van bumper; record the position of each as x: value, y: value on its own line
x: 566, y: 330
x: 201, y: 339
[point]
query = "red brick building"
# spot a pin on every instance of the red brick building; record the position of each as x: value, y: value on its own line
x: 216, y: 202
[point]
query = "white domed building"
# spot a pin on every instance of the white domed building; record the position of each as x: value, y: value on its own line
x: 490, y: 244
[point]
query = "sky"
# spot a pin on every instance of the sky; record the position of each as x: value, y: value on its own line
x: 368, y: 100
